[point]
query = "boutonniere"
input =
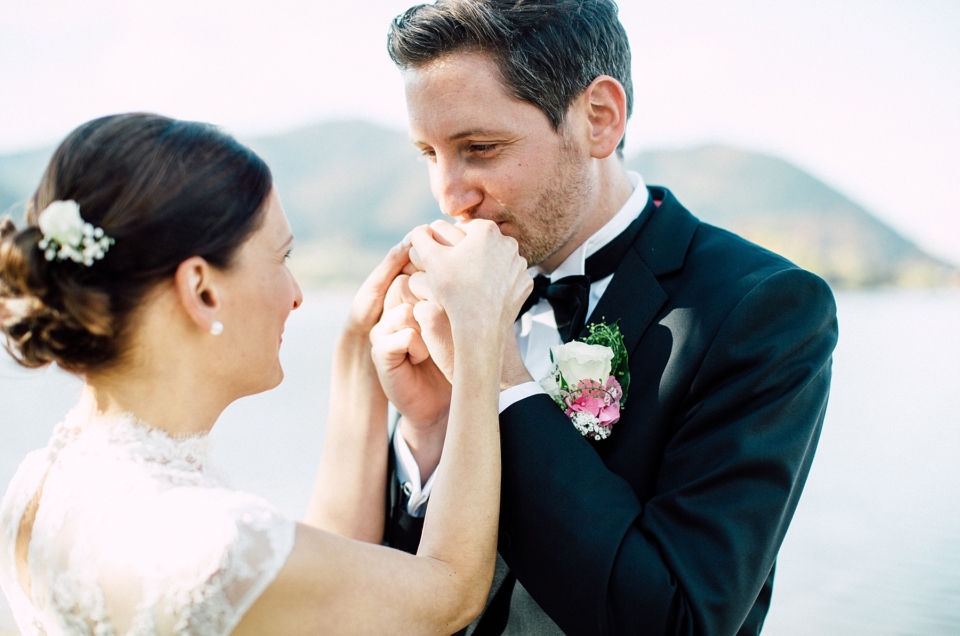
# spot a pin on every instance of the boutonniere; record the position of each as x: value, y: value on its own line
x: 589, y: 380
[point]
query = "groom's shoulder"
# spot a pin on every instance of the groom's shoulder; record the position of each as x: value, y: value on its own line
x: 721, y: 266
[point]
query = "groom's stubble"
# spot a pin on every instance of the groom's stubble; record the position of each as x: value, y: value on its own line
x: 553, y: 218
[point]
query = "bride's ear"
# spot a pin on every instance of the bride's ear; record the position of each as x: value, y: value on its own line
x: 196, y: 291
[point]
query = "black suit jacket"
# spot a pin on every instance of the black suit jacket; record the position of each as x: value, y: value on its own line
x: 672, y: 524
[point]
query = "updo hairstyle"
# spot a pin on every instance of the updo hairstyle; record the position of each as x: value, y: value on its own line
x: 165, y: 191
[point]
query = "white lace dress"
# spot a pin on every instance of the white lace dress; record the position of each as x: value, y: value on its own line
x: 135, y: 535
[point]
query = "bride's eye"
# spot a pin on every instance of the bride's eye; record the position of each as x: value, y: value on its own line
x: 286, y: 256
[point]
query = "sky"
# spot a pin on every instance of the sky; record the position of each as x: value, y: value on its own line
x: 864, y: 94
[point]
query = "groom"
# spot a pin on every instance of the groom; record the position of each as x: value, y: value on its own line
x: 672, y: 524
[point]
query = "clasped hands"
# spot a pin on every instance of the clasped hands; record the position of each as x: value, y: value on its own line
x: 465, y: 280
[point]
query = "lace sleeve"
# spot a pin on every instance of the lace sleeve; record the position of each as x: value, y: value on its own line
x: 260, y: 540
x: 202, y: 557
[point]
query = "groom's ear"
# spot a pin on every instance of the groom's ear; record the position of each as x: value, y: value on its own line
x: 604, y: 107
x: 196, y: 291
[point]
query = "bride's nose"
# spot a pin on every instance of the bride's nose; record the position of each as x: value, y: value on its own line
x: 298, y: 295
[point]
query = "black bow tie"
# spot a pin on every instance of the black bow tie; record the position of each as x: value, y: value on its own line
x: 570, y: 296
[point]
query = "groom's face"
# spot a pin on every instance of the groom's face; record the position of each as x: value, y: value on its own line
x: 492, y: 156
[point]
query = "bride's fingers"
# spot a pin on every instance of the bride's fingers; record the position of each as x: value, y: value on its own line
x: 437, y: 335
x: 424, y: 243
x: 383, y: 274
x: 368, y: 303
x: 446, y: 233
x: 409, y: 269
x: 415, y: 259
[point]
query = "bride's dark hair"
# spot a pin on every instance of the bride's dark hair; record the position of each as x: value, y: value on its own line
x: 165, y: 190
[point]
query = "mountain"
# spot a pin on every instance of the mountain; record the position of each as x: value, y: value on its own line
x: 779, y: 206
x: 20, y: 175
x: 352, y: 189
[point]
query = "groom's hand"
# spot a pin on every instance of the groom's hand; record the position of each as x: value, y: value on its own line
x: 433, y: 321
x: 409, y: 376
x: 435, y: 326
x: 413, y: 350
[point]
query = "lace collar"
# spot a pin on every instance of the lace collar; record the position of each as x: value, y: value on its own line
x: 127, y: 436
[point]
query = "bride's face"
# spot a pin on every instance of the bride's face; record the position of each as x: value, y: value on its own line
x: 259, y: 294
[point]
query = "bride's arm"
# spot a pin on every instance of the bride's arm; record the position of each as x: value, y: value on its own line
x: 348, y: 496
x: 332, y: 584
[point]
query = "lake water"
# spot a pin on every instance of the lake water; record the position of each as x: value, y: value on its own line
x: 875, y: 544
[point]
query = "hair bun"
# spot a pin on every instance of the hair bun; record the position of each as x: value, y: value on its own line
x: 7, y: 227
x: 45, y: 313
x: 166, y: 190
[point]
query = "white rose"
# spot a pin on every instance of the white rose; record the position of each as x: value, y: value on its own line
x: 61, y: 222
x: 581, y: 361
x: 551, y: 383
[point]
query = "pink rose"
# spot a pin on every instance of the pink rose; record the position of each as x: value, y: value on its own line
x: 602, y: 401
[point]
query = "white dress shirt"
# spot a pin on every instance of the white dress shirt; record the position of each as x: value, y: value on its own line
x: 536, y: 334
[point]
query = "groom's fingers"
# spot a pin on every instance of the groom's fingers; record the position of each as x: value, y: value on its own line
x: 390, y: 347
x: 419, y: 286
x: 393, y: 320
x: 399, y: 293
x: 392, y: 350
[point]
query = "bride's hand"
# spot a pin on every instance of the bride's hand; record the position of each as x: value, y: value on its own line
x: 480, y: 283
x: 368, y: 304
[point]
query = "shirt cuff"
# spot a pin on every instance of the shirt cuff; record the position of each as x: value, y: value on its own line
x: 514, y: 394
x: 408, y: 474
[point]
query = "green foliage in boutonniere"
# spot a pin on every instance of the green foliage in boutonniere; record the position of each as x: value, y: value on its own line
x: 609, y: 336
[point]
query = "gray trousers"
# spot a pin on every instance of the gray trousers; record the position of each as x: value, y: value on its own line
x: 526, y: 617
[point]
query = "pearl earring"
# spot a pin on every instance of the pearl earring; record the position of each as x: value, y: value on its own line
x: 216, y: 328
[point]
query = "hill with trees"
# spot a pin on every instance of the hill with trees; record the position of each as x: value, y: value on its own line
x: 352, y: 189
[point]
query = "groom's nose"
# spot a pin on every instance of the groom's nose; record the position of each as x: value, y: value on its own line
x: 455, y: 187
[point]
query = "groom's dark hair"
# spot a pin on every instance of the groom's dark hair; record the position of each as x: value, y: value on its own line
x: 547, y: 51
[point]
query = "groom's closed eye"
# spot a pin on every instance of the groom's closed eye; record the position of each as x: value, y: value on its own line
x: 483, y: 148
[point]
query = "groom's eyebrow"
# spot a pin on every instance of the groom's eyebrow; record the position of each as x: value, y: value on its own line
x: 472, y: 132
x: 476, y: 132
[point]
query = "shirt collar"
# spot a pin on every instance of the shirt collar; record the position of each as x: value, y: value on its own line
x: 576, y: 263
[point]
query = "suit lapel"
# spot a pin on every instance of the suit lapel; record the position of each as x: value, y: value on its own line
x: 635, y: 297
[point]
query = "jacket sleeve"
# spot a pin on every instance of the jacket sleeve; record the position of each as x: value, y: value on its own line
x: 693, y: 558
x: 401, y: 530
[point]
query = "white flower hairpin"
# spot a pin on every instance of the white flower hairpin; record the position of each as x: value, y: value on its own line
x: 66, y: 236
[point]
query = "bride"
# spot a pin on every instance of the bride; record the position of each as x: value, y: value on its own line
x: 153, y: 265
